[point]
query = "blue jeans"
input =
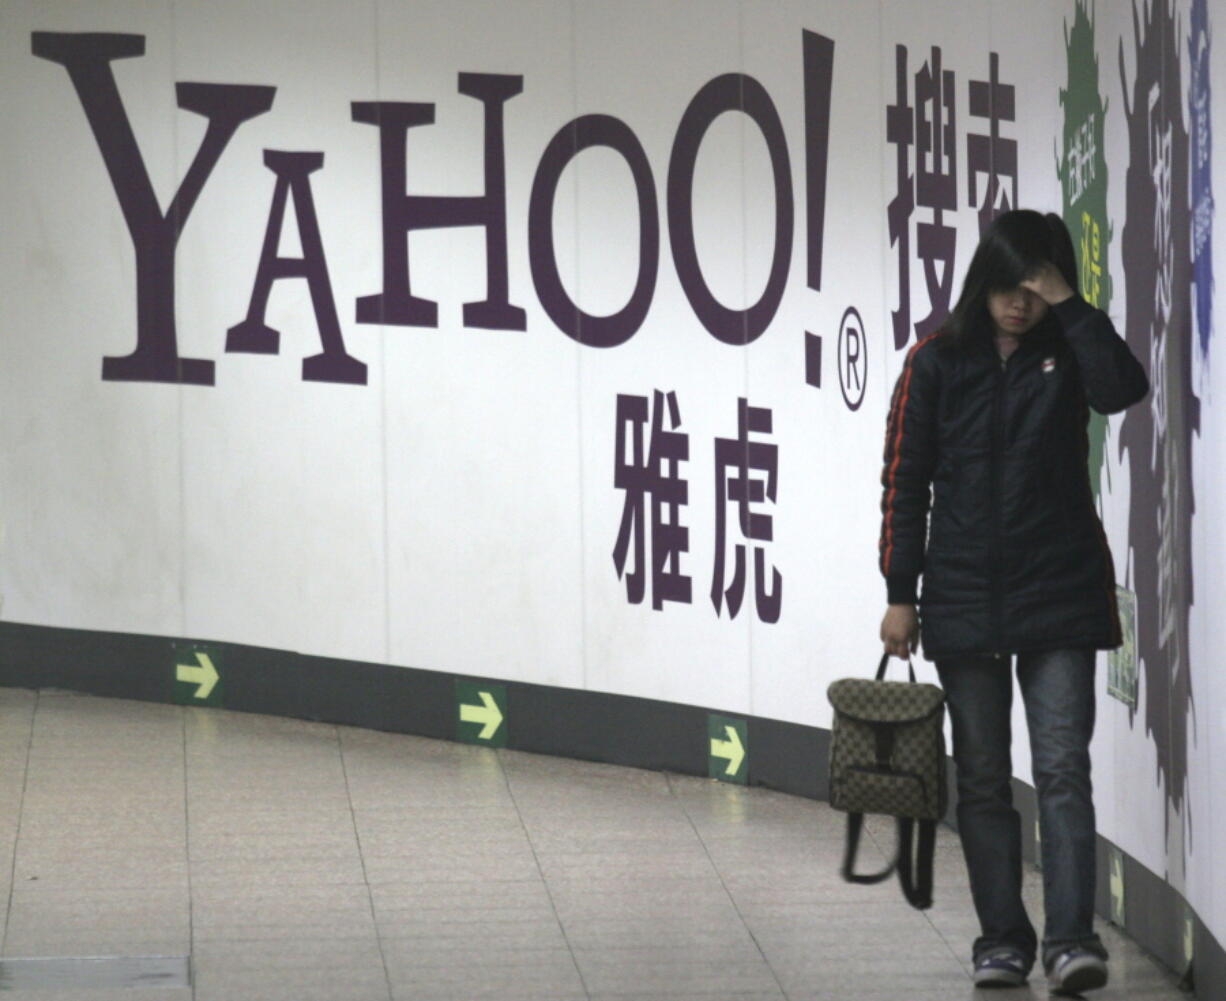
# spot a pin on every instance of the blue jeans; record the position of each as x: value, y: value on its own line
x: 1058, y: 691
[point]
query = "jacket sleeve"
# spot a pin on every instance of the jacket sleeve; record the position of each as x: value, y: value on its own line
x: 1112, y: 376
x: 906, y: 475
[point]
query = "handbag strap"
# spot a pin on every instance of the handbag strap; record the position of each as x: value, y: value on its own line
x: 855, y: 822
x: 914, y: 872
x: 916, y: 877
x: 885, y: 659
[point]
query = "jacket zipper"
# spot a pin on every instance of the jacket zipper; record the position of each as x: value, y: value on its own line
x: 996, y: 550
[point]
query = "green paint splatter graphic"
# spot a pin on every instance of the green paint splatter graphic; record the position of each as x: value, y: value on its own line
x: 1082, y: 169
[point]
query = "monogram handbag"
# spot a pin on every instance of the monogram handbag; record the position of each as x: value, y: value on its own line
x: 887, y: 756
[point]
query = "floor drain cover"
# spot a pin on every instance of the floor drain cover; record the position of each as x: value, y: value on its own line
x: 93, y: 973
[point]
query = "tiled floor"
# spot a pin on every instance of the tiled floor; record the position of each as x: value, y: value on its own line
x: 302, y: 861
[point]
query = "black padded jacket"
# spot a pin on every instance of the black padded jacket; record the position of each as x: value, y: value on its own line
x: 986, y: 490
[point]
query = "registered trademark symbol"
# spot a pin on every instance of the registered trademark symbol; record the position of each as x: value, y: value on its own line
x: 853, y: 358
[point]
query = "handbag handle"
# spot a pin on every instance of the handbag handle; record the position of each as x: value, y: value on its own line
x: 885, y: 659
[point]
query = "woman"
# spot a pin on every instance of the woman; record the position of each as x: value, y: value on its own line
x: 988, y: 429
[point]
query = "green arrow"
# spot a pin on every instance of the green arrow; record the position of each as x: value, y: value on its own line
x: 1117, y: 888
x: 488, y: 715
x: 205, y: 676
x: 732, y: 749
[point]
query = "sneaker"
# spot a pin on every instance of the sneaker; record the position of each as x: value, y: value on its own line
x: 1076, y: 970
x: 1003, y: 967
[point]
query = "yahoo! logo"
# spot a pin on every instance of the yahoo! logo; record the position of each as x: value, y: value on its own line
x: 155, y: 233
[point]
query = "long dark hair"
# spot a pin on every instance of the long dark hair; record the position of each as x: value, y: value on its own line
x: 1013, y: 247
